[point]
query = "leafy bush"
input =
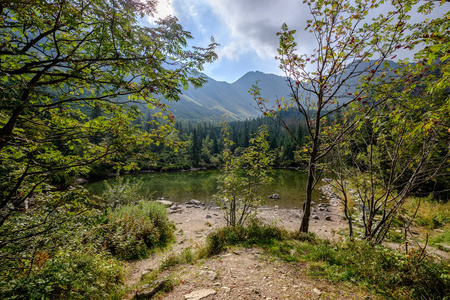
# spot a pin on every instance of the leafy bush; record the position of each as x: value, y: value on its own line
x: 123, y: 192
x: 131, y: 231
x: 68, y: 275
x: 254, y: 233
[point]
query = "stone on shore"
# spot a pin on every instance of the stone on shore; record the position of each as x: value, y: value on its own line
x: 200, y: 294
x: 166, y: 203
x: 195, y: 202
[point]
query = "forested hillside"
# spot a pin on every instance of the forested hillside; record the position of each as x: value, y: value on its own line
x: 91, y: 89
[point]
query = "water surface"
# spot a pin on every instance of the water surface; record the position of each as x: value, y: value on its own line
x: 202, y: 185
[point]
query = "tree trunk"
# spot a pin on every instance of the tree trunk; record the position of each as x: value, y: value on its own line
x: 6, y: 131
x: 304, y: 227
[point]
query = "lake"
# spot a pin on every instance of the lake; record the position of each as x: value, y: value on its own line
x: 202, y: 185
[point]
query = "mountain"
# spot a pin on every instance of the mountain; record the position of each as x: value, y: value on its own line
x: 217, y: 98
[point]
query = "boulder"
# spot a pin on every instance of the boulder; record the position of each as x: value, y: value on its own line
x: 327, y: 218
x: 151, y: 291
x: 274, y: 196
x: 211, y: 275
x: 200, y: 294
x: 165, y: 202
x: 175, y: 209
x: 315, y: 217
x: 195, y: 202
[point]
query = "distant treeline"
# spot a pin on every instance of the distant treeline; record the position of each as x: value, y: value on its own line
x: 203, y: 142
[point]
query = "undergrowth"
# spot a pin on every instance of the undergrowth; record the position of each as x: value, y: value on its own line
x: 84, y: 260
x: 381, y: 269
x: 133, y: 231
x: 431, y: 214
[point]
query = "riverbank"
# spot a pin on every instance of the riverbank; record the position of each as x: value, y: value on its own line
x: 194, y: 221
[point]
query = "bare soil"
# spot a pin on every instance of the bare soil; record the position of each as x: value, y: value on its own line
x: 248, y: 273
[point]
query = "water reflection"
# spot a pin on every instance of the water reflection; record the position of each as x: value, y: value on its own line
x: 202, y: 185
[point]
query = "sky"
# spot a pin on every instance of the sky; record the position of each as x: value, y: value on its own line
x: 246, y: 31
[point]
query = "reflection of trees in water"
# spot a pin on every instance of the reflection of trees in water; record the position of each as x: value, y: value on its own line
x: 202, y: 185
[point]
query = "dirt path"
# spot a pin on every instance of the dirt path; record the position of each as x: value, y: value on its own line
x: 194, y: 222
x: 249, y: 274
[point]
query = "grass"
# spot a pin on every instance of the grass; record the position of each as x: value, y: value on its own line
x: 186, y: 256
x: 380, y: 269
x: 431, y: 214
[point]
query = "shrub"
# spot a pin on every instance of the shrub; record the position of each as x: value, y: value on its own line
x: 132, y: 231
x: 254, y: 233
x: 123, y: 191
x: 68, y: 275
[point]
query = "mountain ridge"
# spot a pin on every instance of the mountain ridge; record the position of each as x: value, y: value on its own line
x: 232, y: 100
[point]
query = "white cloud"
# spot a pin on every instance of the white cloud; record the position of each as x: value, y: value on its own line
x: 253, y: 24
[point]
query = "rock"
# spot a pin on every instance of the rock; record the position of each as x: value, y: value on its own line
x: 315, y: 217
x: 327, y: 218
x: 276, y: 207
x: 317, y: 291
x: 176, y: 210
x: 321, y: 208
x: 80, y: 181
x: 211, y: 275
x: 165, y: 202
x: 150, y: 291
x: 145, y: 272
x: 274, y: 196
x: 208, y: 216
x: 443, y: 247
x: 226, y: 289
x: 195, y: 202
x: 189, y: 205
x: 200, y: 294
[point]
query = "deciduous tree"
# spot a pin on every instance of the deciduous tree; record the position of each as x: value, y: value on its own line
x: 351, y: 47
x: 64, y: 61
